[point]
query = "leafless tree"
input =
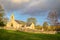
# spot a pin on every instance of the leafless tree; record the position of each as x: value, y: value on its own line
x: 52, y: 17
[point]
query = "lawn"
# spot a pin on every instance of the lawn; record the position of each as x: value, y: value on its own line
x: 16, y: 35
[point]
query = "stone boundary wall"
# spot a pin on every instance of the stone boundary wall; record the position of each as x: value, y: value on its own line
x: 36, y: 31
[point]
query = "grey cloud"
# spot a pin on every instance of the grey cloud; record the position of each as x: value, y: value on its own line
x: 10, y: 6
x: 33, y: 8
x: 40, y: 9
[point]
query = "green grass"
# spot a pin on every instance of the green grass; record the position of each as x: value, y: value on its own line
x: 16, y: 35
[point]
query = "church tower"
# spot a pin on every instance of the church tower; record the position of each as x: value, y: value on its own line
x: 12, y: 17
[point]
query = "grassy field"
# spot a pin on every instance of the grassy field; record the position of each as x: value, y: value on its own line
x: 16, y: 35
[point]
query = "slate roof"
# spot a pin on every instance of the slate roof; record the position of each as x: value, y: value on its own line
x: 18, y: 21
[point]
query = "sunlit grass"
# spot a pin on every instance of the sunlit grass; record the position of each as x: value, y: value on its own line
x: 16, y: 35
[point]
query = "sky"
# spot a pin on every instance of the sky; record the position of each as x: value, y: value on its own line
x: 24, y: 9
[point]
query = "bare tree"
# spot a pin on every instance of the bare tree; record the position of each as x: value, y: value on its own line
x: 53, y: 18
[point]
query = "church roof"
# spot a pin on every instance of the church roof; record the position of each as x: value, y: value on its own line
x: 29, y: 24
x: 18, y: 21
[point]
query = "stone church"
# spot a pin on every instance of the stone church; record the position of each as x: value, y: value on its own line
x: 12, y: 24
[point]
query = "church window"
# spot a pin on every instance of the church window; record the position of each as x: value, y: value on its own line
x: 11, y: 25
x: 12, y: 17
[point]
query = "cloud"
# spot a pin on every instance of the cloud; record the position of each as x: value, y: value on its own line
x: 10, y: 5
x: 40, y: 7
x: 31, y: 7
x: 19, y: 1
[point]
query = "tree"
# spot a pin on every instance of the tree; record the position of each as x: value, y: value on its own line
x: 53, y: 18
x: 31, y: 20
x: 5, y: 20
x: 1, y: 15
x: 39, y: 27
x: 1, y: 12
x: 45, y: 26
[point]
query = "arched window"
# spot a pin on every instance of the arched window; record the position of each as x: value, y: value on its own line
x: 12, y: 17
x: 11, y: 25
